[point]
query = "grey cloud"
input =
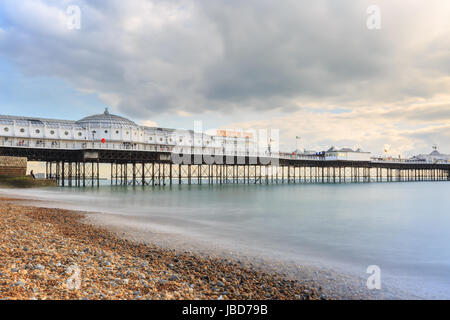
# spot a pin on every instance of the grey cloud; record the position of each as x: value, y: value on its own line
x: 291, y: 49
x: 431, y: 113
x: 226, y: 55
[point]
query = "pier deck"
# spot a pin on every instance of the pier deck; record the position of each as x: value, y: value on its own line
x: 131, y: 167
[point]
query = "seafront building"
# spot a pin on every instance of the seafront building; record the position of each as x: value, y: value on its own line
x: 334, y: 154
x: 109, y: 131
x: 347, y: 154
x: 433, y: 157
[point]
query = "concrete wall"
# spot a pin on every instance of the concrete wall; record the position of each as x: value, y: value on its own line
x: 13, y: 166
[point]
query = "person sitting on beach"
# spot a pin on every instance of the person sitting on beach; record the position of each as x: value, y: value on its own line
x: 32, y: 174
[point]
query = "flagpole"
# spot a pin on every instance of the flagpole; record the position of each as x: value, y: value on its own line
x: 296, y: 143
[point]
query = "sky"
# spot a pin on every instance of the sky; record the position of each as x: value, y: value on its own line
x: 311, y: 69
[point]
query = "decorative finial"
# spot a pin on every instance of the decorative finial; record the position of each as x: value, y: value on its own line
x: 106, y: 111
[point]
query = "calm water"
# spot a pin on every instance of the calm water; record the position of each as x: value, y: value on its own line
x: 402, y: 227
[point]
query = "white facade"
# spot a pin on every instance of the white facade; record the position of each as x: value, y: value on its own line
x: 347, y: 154
x: 108, y: 131
x: 433, y: 157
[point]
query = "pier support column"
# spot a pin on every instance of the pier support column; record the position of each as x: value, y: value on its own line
x: 189, y: 174
x: 323, y: 175
x: 98, y: 173
x: 69, y: 174
x: 63, y: 173
x: 289, y: 174
x: 334, y: 174
x: 84, y: 173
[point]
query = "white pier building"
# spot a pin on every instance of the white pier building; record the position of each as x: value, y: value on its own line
x: 109, y: 131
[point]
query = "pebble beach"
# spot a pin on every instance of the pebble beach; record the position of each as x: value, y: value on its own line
x: 51, y: 253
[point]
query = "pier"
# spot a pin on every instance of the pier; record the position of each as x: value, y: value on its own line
x: 81, y: 168
x: 75, y: 152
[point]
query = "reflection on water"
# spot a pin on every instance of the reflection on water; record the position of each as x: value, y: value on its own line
x: 401, y: 227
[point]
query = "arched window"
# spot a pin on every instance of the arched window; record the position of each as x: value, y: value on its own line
x: 66, y: 133
x: 22, y: 130
x: 6, y: 129
x: 38, y: 131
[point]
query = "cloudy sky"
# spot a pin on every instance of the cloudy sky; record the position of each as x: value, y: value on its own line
x: 309, y: 68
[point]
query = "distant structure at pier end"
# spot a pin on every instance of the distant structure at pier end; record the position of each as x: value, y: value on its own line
x: 433, y: 157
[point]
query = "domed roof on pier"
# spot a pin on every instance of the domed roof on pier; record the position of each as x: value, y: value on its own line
x: 435, y: 153
x: 106, y: 119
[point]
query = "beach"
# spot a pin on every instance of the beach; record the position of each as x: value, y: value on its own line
x: 45, y: 251
x: 41, y: 248
x: 126, y: 244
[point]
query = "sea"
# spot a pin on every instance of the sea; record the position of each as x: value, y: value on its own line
x: 401, y: 228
